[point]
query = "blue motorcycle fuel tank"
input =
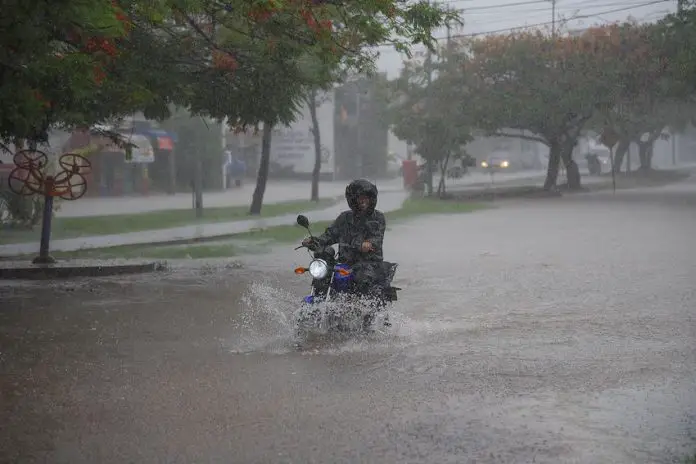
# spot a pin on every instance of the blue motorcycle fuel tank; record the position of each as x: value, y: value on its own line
x: 342, y: 283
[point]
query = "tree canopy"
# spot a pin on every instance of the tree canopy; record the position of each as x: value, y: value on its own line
x: 633, y: 77
x: 83, y: 62
x: 431, y: 112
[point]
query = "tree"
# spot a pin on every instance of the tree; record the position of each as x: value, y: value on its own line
x: 432, y: 114
x: 53, y: 63
x: 643, y: 126
x: 262, y: 177
x: 326, y: 75
x: 338, y: 36
x: 202, y: 55
x: 675, y: 36
x: 547, y: 86
x: 243, y: 62
x: 641, y: 104
x: 313, y: 101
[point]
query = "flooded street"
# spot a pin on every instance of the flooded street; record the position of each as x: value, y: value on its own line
x: 546, y: 331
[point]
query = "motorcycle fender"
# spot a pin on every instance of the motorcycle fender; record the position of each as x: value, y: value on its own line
x: 391, y: 293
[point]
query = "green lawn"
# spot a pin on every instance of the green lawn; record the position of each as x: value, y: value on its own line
x: 124, y: 223
x: 423, y: 206
x: 278, y: 234
x: 412, y: 207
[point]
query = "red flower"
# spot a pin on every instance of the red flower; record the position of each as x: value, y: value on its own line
x: 98, y: 74
x: 223, y: 60
x: 40, y: 98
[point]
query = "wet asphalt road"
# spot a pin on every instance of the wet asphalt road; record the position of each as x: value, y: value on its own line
x: 557, y: 330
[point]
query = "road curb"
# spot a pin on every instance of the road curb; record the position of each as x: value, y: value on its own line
x: 15, y: 270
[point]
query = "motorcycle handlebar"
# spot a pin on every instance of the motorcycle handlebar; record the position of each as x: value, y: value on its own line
x: 313, y: 247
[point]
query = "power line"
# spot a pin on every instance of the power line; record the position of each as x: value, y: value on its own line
x: 504, y: 5
x: 547, y: 23
x: 560, y: 7
x: 534, y: 14
x: 597, y: 3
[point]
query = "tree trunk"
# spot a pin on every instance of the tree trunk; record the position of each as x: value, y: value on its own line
x: 443, y: 175
x: 572, y: 170
x: 573, y: 174
x: 628, y: 159
x: 312, y: 102
x: 646, y: 150
x: 262, y: 176
x: 429, y: 177
x: 198, y: 185
x: 621, y: 151
x: 645, y: 155
x: 554, y: 163
x: 571, y: 167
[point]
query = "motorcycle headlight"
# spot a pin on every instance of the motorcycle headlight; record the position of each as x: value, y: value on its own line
x: 318, y: 269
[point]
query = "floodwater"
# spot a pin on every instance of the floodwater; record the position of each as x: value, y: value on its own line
x: 549, y: 331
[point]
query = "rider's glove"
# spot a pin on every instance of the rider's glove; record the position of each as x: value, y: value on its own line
x: 311, y: 243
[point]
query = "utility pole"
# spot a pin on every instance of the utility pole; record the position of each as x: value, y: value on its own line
x: 553, y: 18
x: 358, y: 121
x: 429, y: 79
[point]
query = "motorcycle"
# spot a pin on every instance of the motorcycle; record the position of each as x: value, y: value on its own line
x: 334, y: 304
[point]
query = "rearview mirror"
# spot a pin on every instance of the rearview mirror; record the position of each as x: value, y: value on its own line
x: 302, y: 221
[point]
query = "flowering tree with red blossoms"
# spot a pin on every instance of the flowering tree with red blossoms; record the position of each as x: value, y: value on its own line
x: 80, y: 63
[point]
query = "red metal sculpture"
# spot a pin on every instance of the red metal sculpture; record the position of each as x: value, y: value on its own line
x: 30, y: 178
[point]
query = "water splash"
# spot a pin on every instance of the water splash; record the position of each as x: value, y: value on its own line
x: 266, y: 323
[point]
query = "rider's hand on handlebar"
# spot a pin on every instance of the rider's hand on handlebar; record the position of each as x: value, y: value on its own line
x: 309, y: 242
x: 366, y: 247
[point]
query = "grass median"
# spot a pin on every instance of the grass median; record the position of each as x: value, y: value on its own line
x: 258, y: 240
x: 75, y: 227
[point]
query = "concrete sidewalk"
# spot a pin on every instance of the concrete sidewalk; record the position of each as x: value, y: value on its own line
x: 388, y: 201
x: 276, y: 191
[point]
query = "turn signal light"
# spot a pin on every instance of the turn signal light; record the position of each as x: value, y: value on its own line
x: 300, y: 270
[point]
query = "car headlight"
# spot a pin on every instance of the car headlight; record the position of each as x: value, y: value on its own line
x: 504, y: 164
x: 484, y: 164
x: 318, y: 269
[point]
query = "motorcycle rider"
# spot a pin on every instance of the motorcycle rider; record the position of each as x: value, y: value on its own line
x: 359, y: 233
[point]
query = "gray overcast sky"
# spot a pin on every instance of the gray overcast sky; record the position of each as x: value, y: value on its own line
x: 482, y: 16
